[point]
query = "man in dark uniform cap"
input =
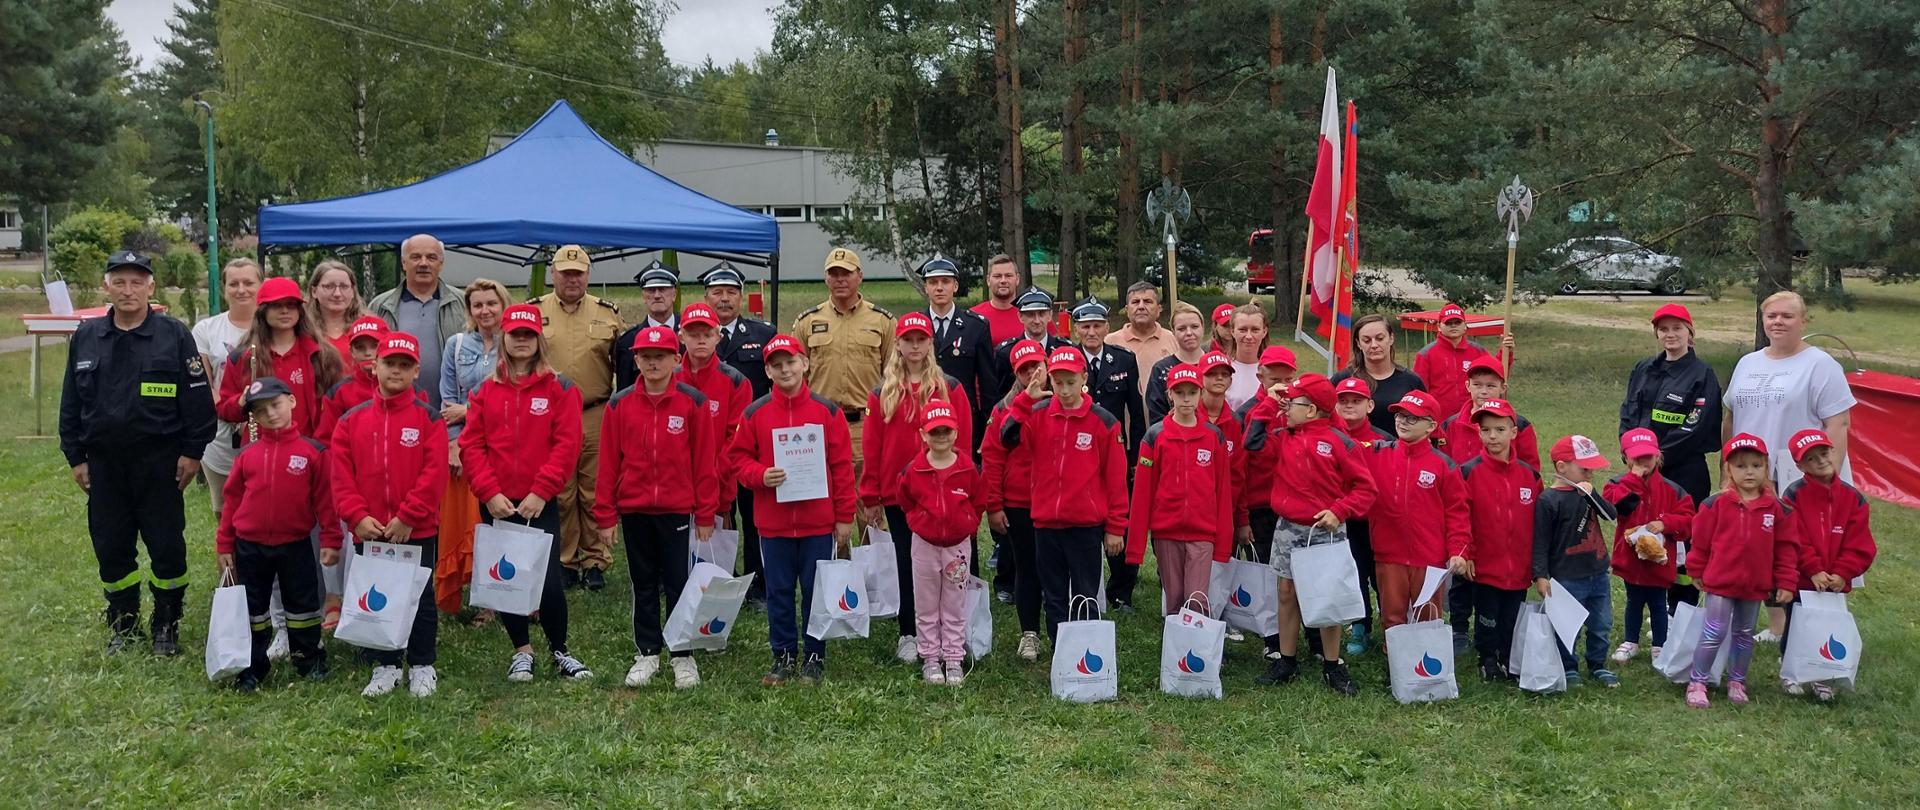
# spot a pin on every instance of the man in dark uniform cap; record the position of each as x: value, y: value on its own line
x: 962, y: 341
x: 135, y: 414
x: 743, y: 342
x: 659, y: 284
x: 1113, y: 384
x: 1036, y: 313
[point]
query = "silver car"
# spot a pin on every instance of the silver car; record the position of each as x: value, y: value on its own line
x: 1614, y: 263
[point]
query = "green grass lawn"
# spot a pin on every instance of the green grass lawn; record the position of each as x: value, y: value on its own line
x: 136, y: 731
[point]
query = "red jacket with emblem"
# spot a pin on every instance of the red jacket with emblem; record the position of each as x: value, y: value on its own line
x: 1640, y: 501
x: 1461, y: 437
x: 1255, y: 490
x: 889, y: 443
x: 1500, y: 497
x: 1315, y: 467
x: 295, y: 368
x: 1442, y: 366
x: 728, y: 392
x: 1183, y: 489
x: 389, y: 459
x: 1744, y: 549
x: 1834, y: 535
x: 943, y: 505
x: 522, y: 437
x: 1000, y: 464
x: 657, y: 455
x: 1079, y: 462
x: 277, y: 493
x: 1420, y: 517
x: 752, y: 454
x: 1233, y: 429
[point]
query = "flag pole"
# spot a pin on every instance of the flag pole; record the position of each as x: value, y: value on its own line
x: 1306, y: 276
x: 1515, y: 205
x: 1333, y: 315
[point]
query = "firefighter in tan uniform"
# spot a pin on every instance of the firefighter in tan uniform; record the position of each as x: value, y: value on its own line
x: 848, y: 342
x: 580, y: 330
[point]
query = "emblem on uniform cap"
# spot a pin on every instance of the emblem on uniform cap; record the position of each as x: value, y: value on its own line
x: 253, y: 387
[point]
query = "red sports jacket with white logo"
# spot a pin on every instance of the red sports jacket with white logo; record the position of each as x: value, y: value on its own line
x: 388, y: 458
x: 1315, y: 467
x: 657, y: 455
x: 521, y: 438
x: 1420, y: 517
x: 1442, y: 366
x: 1461, y: 435
x: 728, y: 393
x: 1183, y: 489
x: 1500, y: 496
x: 1006, y: 469
x: 295, y: 368
x: 943, y: 506
x: 761, y: 428
x: 889, y: 443
x: 277, y: 492
x: 1744, y: 549
x: 1834, y: 535
x: 1640, y: 501
x: 1079, y: 463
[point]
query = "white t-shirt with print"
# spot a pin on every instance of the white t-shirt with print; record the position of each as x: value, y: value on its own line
x: 215, y: 337
x: 1774, y: 399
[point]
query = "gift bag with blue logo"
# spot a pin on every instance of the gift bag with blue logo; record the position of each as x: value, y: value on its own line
x: 1824, y: 644
x: 875, y: 558
x: 509, y: 567
x: 1420, y: 661
x: 1191, y: 649
x: 979, y: 618
x: 839, y: 601
x: 379, y: 601
x: 1535, y: 658
x: 721, y: 550
x: 229, y: 631
x: 1084, y: 669
x: 1675, y: 660
x: 1250, y: 599
x: 709, y: 604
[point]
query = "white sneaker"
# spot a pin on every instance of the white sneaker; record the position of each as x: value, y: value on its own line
x: 644, y: 667
x: 1029, y: 646
x: 956, y: 674
x: 907, y: 650
x: 1792, y: 688
x: 1766, y: 637
x: 1234, y: 635
x: 422, y: 681
x: 277, y: 651
x: 383, y: 681
x: 1625, y: 651
x: 686, y: 674
x: 932, y: 673
x: 520, y: 669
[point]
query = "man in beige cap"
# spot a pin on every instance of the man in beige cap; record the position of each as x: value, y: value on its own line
x: 848, y: 341
x: 580, y: 331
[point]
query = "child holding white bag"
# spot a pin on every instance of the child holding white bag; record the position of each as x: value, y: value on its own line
x: 943, y: 498
x: 1745, y: 551
x: 1836, y: 542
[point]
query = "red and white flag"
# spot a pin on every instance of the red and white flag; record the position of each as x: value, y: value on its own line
x: 1325, y: 208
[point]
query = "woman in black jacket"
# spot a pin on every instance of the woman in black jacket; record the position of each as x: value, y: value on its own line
x: 1677, y: 396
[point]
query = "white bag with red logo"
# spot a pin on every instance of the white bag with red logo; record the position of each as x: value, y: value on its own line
x: 509, y: 567
x: 380, y: 599
x: 709, y: 604
x: 839, y: 607
x: 1192, y: 647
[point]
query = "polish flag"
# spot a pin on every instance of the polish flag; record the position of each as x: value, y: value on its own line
x: 1325, y: 208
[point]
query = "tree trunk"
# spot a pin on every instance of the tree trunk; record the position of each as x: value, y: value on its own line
x: 1003, y: 114
x: 1286, y: 289
x: 1127, y: 202
x: 1015, y: 127
x: 1070, y: 158
x: 1773, y: 244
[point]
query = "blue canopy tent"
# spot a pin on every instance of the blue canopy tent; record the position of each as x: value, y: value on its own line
x: 558, y: 183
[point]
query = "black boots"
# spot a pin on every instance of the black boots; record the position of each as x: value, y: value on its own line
x: 166, y: 621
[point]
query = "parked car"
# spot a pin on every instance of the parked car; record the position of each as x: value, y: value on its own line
x: 1614, y: 263
x: 1197, y: 266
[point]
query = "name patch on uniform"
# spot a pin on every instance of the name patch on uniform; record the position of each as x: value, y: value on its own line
x: 821, y: 326
x: 1668, y: 417
x: 156, y: 389
x: 83, y: 365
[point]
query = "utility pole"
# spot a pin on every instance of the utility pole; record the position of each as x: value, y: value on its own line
x: 213, y: 220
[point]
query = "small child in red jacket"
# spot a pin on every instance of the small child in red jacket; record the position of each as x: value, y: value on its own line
x: 1421, y: 512
x: 1182, y: 495
x: 1499, y: 555
x: 1745, y: 552
x: 275, y: 496
x: 943, y: 499
x: 1836, y: 542
x: 1461, y: 437
x: 1657, y: 512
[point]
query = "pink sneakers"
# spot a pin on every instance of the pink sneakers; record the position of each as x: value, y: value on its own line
x: 1697, y: 695
x: 1737, y: 692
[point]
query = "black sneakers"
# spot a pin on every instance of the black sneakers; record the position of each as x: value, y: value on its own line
x: 1280, y: 670
x: 246, y: 684
x: 781, y: 672
x: 569, y: 578
x: 1338, y: 679
x: 813, y: 669
x: 1492, y: 670
x: 595, y: 579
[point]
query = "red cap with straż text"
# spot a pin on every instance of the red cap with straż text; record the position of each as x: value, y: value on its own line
x: 1215, y: 361
x: 1673, y: 311
x: 1804, y: 442
x: 1486, y: 364
x: 1639, y: 443
x: 1067, y: 358
x: 1183, y: 374
x: 400, y: 344
x: 1745, y: 442
x: 1352, y: 387
x: 1026, y: 353
x: 1415, y: 403
x: 783, y: 344
x: 369, y: 326
x: 1495, y: 407
x: 522, y: 318
x: 940, y: 415
x: 1277, y: 356
x: 1223, y: 314
x: 913, y: 322
x: 1452, y: 312
x: 698, y: 312
x: 1579, y: 450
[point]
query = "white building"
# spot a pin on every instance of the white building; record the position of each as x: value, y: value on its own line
x: 9, y: 226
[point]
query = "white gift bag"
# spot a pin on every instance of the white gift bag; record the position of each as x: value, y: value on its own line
x: 1536, y: 653
x: 979, y: 618
x: 1191, y: 650
x: 1219, y: 584
x: 1084, y: 669
x: 509, y: 567
x: 709, y: 604
x: 229, y: 632
x: 1824, y: 644
x: 1675, y: 660
x: 882, y: 571
x: 1251, y: 601
x: 720, y: 551
x: 1420, y: 662
x: 379, y: 601
x: 1328, y: 584
x: 839, y: 601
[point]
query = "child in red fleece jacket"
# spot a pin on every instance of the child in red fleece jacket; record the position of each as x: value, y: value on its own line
x: 943, y: 498
x: 1182, y: 495
x: 1498, y: 558
x: 1646, y: 501
x: 1421, y: 511
x: 1836, y: 543
x: 1745, y: 551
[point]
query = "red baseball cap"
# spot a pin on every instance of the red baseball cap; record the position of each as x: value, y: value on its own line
x: 1183, y: 374
x: 1277, y: 356
x: 1486, y: 364
x: 1672, y: 311
x: 656, y: 338
x: 1215, y: 361
x: 1452, y: 312
x: 1415, y: 403
x: 279, y: 288
x: 1579, y: 450
x: 1639, y: 443
x: 1223, y: 314
x: 1352, y: 386
x: 367, y: 326
x: 1745, y: 442
x: 783, y: 344
x: 1316, y: 389
x: 522, y: 316
x: 1067, y: 358
x: 1026, y: 353
x: 400, y: 344
x: 1804, y: 442
x: 913, y: 322
x: 1495, y: 407
x: 698, y: 312
x: 940, y: 415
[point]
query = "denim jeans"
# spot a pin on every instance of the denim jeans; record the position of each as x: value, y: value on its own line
x: 1596, y: 595
x: 788, y: 561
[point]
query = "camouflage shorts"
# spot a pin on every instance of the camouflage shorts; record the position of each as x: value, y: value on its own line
x: 1288, y: 536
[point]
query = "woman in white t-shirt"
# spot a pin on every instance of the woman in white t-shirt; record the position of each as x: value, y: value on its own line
x: 215, y: 336
x: 1250, y: 338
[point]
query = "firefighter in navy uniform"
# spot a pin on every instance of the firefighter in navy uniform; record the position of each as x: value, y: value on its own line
x: 1113, y: 383
x: 962, y: 342
x: 135, y: 414
x: 659, y: 285
x: 743, y: 343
